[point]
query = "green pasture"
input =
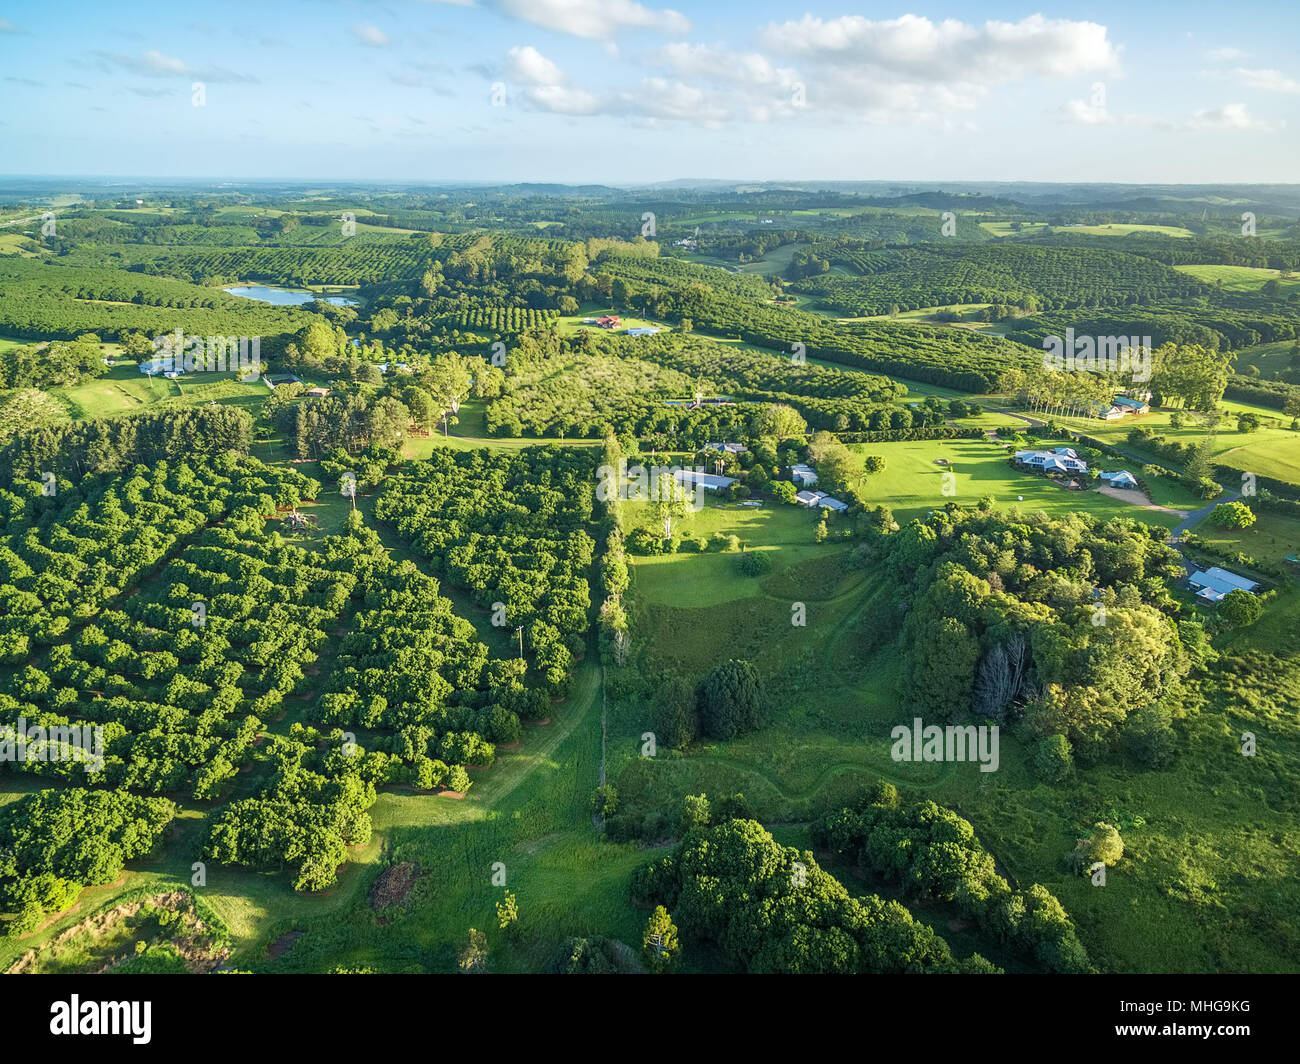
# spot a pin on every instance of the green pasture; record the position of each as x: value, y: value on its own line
x: 1240, y: 278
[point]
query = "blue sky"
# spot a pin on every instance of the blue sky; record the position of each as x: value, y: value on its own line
x: 620, y: 91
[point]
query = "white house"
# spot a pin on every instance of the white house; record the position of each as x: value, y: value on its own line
x: 819, y: 500
x: 1122, y: 479
x: 1214, y: 583
x: 1053, y: 461
x: 803, y: 475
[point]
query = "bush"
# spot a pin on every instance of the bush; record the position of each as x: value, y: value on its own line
x: 1102, y: 845
x: 1052, y: 759
x: 731, y: 700
x: 755, y: 563
x: 1240, y: 608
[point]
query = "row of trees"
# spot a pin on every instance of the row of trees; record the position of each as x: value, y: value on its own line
x: 513, y: 529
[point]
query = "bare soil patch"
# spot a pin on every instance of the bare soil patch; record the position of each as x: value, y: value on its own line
x: 1135, y: 498
x: 281, y: 945
x: 393, y: 884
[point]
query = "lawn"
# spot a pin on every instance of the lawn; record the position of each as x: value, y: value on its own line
x: 1004, y: 228
x: 912, y: 484
x: 1267, y: 358
x: 1125, y: 229
x: 1240, y: 278
x: 1272, y: 451
x: 570, y: 324
x: 1271, y: 538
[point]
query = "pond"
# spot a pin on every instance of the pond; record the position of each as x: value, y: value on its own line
x: 285, y: 297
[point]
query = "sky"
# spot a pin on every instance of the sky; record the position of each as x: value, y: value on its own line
x: 630, y: 93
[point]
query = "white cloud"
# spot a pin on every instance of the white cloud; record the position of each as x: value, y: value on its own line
x: 371, y: 35
x: 594, y: 19
x: 723, y: 65
x: 949, y: 52
x: 1080, y: 113
x: 1266, y: 80
x: 155, y: 64
x: 527, y: 66
x: 562, y: 100
x: 1230, y: 118
x: 1226, y: 55
x: 913, y: 69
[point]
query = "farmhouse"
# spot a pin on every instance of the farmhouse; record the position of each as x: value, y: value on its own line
x: 608, y: 321
x: 1060, y: 460
x: 1132, y: 406
x: 1213, y: 584
x: 803, y: 475
x: 821, y: 501
x: 1119, y: 408
x: 707, y: 481
x: 730, y: 448
x: 1122, y: 479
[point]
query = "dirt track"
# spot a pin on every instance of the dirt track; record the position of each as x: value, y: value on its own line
x: 1135, y: 498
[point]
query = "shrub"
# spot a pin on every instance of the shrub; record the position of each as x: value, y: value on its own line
x: 1052, y: 759
x: 731, y: 700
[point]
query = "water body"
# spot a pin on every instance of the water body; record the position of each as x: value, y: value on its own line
x: 285, y: 297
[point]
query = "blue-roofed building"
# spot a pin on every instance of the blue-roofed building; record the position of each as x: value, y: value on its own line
x: 1132, y: 406
x: 1214, y: 583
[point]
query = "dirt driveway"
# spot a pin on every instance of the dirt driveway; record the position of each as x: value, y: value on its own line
x: 1135, y: 498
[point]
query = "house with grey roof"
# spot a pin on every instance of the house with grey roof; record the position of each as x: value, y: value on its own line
x: 1122, y: 479
x: 819, y: 500
x: 689, y: 478
x: 1211, y: 585
x: 803, y: 475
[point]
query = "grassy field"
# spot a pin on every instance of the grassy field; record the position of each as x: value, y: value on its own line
x: 1209, y: 843
x: 1125, y: 229
x: 1268, y: 358
x: 1003, y: 228
x: 1240, y: 278
x: 570, y: 324
x: 124, y: 390
x: 912, y: 483
x: 1272, y: 451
